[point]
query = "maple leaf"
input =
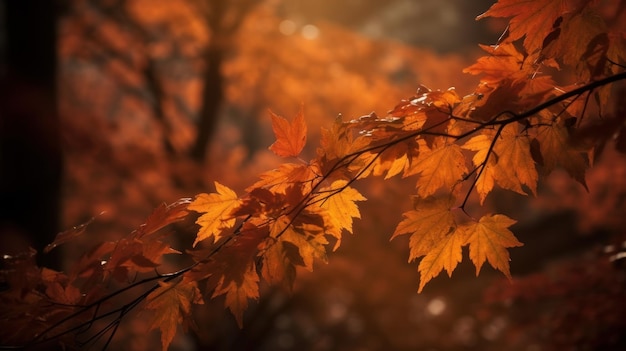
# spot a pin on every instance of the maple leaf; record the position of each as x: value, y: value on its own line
x: 510, y: 165
x: 445, y: 255
x: 309, y: 240
x: 290, y: 137
x: 392, y: 161
x: 216, y: 211
x: 68, y: 235
x: 557, y: 151
x: 58, y: 288
x: 286, y: 175
x: 336, y: 144
x: 502, y: 62
x: 429, y: 222
x: 231, y: 271
x: 441, y: 166
x: 532, y: 19
x: 488, y: 240
x: 339, y: 201
x: 171, y: 303
x: 239, y: 291
x: 278, y: 267
x: 162, y: 216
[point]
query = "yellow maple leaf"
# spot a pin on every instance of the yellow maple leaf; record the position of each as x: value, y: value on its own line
x: 489, y: 239
x: 441, y: 166
x: 445, y: 255
x: 429, y: 222
x: 171, y: 303
x: 216, y: 211
x: 339, y: 202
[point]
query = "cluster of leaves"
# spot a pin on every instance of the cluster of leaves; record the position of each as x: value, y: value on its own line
x: 517, y: 124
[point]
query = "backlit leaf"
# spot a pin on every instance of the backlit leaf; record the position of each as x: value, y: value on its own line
x: 489, y: 239
x: 339, y: 200
x: 216, y: 211
x: 171, y: 303
x: 445, y: 255
x: 290, y: 137
x: 429, y: 222
x: 441, y: 166
x: 510, y: 164
x: 532, y: 19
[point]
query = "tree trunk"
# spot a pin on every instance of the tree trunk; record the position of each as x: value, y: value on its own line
x: 30, y: 151
x: 211, y: 100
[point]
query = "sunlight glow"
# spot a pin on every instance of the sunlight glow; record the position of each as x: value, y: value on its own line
x: 310, y: 32
x: 436, y: 306
x: 287, y: 27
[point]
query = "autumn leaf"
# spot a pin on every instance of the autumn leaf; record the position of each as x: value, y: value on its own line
x: 216, y: 211
x: 337, y: 142
x: 285, y: 176
x: 532, y: 19
x: 68, y: 235
x: 339, y: 201
x: 278, y: 265
x: 390, y: 162
x: 290, y: 137
x: 445, y: 255
x: 488, y: 240
x: 310, y: 243
x: 502, y: 61
x: 441, y: 166
x: 162, y: 216
x: 557, y: 151
x: 428, y: 223
x: 171, y: 303
x: 510, y: 164
x: 239, y: 291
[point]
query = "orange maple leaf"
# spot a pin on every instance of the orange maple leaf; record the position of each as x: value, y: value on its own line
x: 216, y: 211
x: 429, y: 222
x: 278, y: 265
x: 285, y: 176
x: 488, y: 240
x: 503, y: 61
x: 441, y: 166
x: 510, y: 165
x: 530, y: 18
x: 290, y: 137
x: 171, y: 303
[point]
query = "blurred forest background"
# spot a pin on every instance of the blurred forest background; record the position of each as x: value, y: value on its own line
x: 111, y: 107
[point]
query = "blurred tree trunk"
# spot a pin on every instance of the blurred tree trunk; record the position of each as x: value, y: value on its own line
x: 30, y: 150
x: 223, y: 19
x: 212, y: 96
